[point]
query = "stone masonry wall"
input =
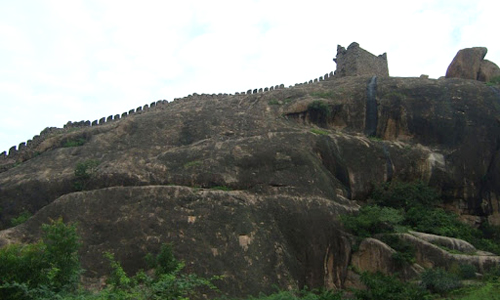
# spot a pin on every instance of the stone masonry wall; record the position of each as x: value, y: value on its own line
x: 28, y: 148
x: 356, y: 61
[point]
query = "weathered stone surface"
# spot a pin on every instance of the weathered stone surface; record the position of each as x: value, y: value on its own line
x: 375, y: 256
x: 469, y: 63
x: 450, y: 243
x: 288, y: 181
x: 487, y: 71
x: 428, y: 255
x: 255, y: 241
x: 356, y: 61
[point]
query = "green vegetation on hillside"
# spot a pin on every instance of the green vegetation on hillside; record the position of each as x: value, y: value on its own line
x: 494, y: 81
x: 21, y: 218
x: 84, y: 172
x: 50, y: 269
x: 398, y: 207
x: 42, y: 269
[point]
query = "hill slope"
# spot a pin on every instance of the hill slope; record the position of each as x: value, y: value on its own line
x: 251, y: 186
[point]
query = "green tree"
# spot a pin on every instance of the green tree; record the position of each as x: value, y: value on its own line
x: 46, y: 267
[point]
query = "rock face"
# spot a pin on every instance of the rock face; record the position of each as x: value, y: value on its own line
x: 251, y: 186
x: 469, y: 63
x: 375, y: 256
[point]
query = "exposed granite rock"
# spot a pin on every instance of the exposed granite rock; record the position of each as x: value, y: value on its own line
x: 254, y: 241
x: 375, y: 256
x: 429, y: 255
x: 469, y: 63
x: 488, y: 71
x: 449, y: 243
x: 289, y: 175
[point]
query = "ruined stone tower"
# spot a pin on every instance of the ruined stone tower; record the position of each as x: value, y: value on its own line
x: 356, y: 61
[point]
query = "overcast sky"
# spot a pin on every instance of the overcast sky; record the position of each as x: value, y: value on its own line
x: 75, y: 60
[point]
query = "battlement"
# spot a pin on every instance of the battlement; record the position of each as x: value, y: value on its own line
x: 351, y: 62
x: 356, y: 61
x: 27, y: 149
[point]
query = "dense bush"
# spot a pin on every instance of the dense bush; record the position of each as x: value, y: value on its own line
x: 50, y: 269
x: 439, y: 281
x: 167, y: 283
x: 373, y: 219
x: 43, y: 268
x: 303, y: 295
x: 405, y: 195
x: 384, y: 287
x: 405, y: 251
x: 419, y: 203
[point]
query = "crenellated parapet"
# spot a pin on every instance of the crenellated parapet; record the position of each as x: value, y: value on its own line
x: 15, y: 152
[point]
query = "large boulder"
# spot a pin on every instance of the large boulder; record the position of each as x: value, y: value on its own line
x: 469, y: 63
x: 376, y: 256
x: 488, y: 71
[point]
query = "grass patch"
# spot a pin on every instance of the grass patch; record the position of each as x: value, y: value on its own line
x: 221, y: 188
x: 324, y: 95
x: 273, y: 102
x: 490, y: 291
x: 494, y: 81
x: 319, y: 131
x: 192, y: 164
x: 76, y: 142
x: 375, y: 139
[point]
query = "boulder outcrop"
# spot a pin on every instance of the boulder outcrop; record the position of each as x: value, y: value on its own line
x: 469, y: 63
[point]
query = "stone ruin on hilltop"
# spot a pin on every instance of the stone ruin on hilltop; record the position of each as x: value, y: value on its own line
x: 356, y: 61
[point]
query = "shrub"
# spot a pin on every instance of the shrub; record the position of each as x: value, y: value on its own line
x: 43, y: 268
x: 76, y: 142
x: 384, y: 287
x: 305, y: 294
x: 168, y: 282
x: 439, y: 281
x: 165, y: 262
x: 84, y: 171
x: 405, y: 252
x: 372, y: 219
x: 319, y: 112
x: 405, y: 195
x: 23, y: 217
x: 494, y: 81
x: 467, y: 271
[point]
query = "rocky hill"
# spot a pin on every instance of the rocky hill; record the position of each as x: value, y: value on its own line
x: 251, y: 186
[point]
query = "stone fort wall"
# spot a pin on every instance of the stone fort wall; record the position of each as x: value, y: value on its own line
x: 355, y: 61
x: 15, y: 151
x: 352, y: 61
